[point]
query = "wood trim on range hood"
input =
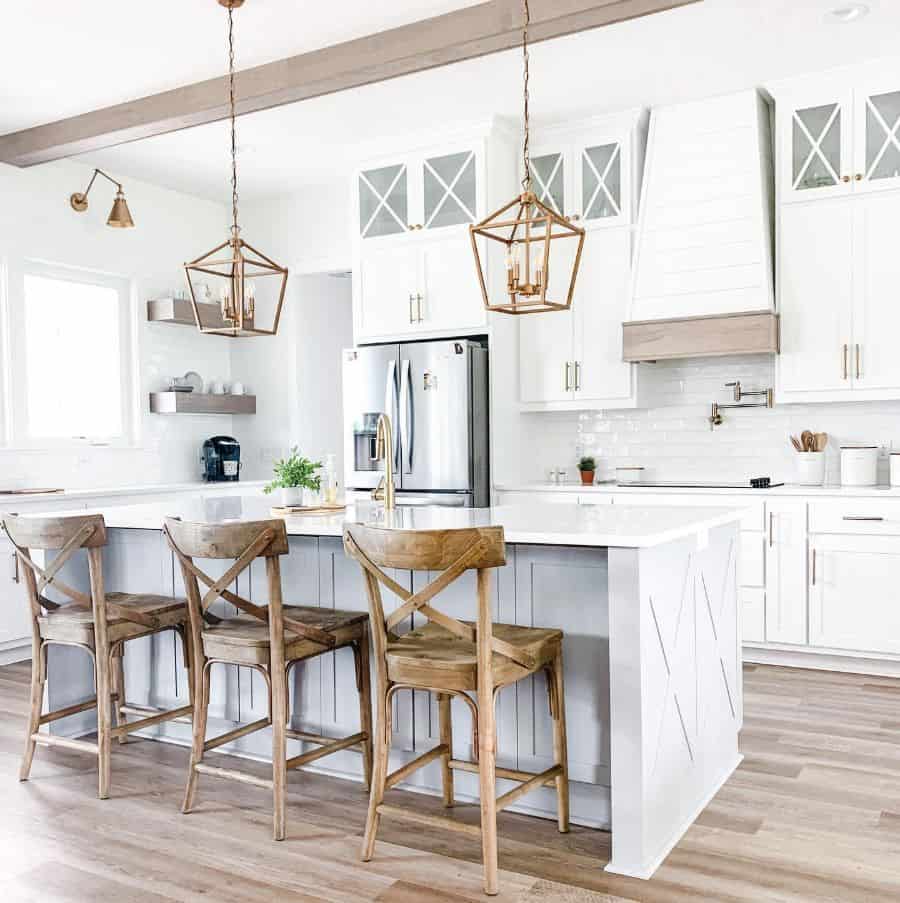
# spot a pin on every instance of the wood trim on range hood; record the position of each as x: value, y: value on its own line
x: 463, y: 34
x: 755, y: 332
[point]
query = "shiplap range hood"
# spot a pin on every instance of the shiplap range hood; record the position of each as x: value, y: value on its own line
x: 703, y: 272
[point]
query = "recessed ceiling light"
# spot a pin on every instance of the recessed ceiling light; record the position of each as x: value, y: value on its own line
x: 849, y: 12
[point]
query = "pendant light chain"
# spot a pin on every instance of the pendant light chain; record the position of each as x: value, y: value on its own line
x: 526, y: 180
x: 234, y: 191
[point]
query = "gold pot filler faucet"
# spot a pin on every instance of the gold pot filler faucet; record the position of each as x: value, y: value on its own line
x: 384, y: 451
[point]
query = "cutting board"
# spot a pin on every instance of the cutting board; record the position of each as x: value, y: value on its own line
x: 29, y: 491
x: 315, y: 510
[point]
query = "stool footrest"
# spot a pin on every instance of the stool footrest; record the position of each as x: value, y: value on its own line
x: 68, y: 710
x: 395, y: 777
x: 232, y: 775
x: 433, y: 821
x: 236, y: 734
x: 508, y: 774
x: 533, y: 783
x: 65, y: 743
x: 159, y: 717
x: 326, y: 750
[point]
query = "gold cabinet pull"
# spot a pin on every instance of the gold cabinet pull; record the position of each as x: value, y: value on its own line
x: 411, y: 299
x: 845, y: 178
x: 846, y: 348
x: 15, y: 568
x: 577, y: 376
x: 771, y: 529
x: 859, y: 177
x: 568, y: 378
x: 858, y: 365
x: 419, y: 309
x: 813, y: 566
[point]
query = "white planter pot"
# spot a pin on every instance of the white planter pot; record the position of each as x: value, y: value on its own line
x: 810, y: 468
x: 291, y: 497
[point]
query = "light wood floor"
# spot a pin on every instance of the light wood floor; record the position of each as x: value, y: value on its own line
x: 813, y: 814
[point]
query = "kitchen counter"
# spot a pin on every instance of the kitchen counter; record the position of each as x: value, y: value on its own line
x: 537, y: 524
x: 789, y: 489
x: 7, y: 498
x: 646, y: 598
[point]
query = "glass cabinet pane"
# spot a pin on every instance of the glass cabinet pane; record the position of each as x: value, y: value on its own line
x: 548, y: 181
x: 601, y: 181
x: 450, y: 190
x: 383, y: 201
x: 816, y: 151
x: 882, y: 139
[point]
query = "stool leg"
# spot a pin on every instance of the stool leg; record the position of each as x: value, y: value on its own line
x: 34, y: 714
x: 381, y: 749
x: 118, y: 688
x: 198, y: 733
x: 487, y: 785
x: 279, y: 748
x: 560, y: 747
x: 444, y: 701
x: 364, y: 688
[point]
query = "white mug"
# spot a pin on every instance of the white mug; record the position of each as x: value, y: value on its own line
x: 218, y: 388
x: 237, y: 389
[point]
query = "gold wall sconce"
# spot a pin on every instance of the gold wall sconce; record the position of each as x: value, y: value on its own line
x: 119, y: 216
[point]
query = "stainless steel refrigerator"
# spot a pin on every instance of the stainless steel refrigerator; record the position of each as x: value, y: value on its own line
x: 436, y: 394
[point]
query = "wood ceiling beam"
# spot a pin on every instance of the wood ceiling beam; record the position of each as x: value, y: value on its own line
x: 450, y: 38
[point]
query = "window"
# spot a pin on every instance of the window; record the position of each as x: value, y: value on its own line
x: 70, y: 357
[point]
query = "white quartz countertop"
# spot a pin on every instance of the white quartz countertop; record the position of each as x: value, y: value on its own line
x: 789, y: 489
x: 532, y: 523
x: 113, y: 491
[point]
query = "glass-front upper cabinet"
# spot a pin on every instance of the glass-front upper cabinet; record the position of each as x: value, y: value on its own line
x: 384, y: 201
x: 548, y: 180
x: 450, y: 190
x: 877, y: 136
x: 600, y: 189
x: 816, y: 147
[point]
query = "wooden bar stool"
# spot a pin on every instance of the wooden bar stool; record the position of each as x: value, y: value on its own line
x: 270, y: 639
x: 453, y: 658
x: 100, y: 623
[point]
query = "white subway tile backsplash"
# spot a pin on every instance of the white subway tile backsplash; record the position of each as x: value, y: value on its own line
x: 671, y: 432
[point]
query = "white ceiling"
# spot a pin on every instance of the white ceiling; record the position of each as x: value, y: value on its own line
x: 710, y: 48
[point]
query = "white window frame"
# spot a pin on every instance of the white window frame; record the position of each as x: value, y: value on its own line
x: 15, y: 365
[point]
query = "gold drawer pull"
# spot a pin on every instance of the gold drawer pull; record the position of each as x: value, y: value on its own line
x: 861, y: 518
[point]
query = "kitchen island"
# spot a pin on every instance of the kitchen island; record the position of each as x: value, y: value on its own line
x: 646, y: 598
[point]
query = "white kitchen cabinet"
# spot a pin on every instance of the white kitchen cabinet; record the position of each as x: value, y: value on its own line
x: 816, y: 291
x: 753, y: 613
x: 414, y: 271
x: 786, y: 561
x: 571, y: 360
x: 853, y: 593
x: 838, y: 135
x: 15, y: 622
x: 839, y: 273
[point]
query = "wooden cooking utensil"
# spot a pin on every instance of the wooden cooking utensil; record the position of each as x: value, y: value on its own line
x: 820, y: 440
x: 806, y: 438
x: 796, y: 443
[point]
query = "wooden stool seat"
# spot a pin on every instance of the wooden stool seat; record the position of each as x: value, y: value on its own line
x: 245, y: 639
x: 73, y: 625
x: 433, y: 657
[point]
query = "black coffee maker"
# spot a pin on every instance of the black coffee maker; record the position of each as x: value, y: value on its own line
x: 221, y: 458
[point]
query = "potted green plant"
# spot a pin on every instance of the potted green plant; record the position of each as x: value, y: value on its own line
x: 587, y: 466
x: 292, y: 475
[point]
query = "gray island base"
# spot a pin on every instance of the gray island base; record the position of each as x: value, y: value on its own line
x: 647, y: 598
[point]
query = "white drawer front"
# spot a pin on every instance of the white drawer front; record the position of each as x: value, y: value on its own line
x: 753, y: 614
x: 753, y: 519
x: 878, y: 517
x: 752, y: 570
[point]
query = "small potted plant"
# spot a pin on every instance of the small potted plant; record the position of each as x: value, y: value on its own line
x: 292, y: 475
x: 587, y: 466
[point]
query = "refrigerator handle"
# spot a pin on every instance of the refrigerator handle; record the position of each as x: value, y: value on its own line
x: 408, y: 413
x: 391, y: 408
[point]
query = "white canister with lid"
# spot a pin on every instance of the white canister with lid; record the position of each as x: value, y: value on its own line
x: 859, y: 465
x: 895, y: 468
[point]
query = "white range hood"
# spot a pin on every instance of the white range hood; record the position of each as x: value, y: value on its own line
x: 703, y: 271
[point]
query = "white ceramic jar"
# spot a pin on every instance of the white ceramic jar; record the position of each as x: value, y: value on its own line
x: 859, y: 465
x: 810, y: 468
x: 895, y: 468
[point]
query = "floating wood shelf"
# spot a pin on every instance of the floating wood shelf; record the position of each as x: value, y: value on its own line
x: 199, y: 403
x: 180, y: 312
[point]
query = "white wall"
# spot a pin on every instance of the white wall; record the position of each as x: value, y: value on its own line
x: 297, y: 375
x: 672, y: 438
x: 37, y: 222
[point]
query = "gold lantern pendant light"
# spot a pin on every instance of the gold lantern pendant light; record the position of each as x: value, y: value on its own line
x: 234, y: 264
x: 533, y: 235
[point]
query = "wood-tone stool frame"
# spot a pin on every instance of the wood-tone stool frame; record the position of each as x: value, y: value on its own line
x: 67, y: 536
x: 452, y: 552
x: 243, y: 543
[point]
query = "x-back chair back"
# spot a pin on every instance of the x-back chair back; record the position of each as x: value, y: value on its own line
x: 440, y: 658
x: 98, y: 622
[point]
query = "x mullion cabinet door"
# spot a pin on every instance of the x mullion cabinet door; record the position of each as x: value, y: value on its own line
x: 877, y: 135
x: 816, y: 145
x: 601, y: 176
